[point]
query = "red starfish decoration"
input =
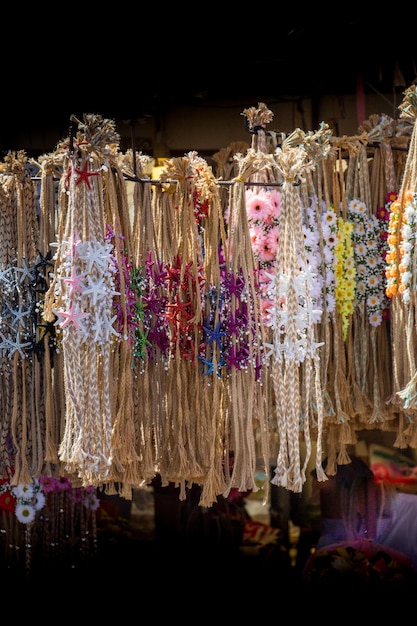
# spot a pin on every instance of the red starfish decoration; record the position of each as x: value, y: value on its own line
x: 180, y: 312
x: 84, y: 174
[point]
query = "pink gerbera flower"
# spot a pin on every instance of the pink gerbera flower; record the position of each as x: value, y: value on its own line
x: 256, y: 236
x: 273, y: 239
x: 258, y: 206
x: 63, y: 483
x: 265, y: 251
x: 275, y: 200
x: 48, y: 483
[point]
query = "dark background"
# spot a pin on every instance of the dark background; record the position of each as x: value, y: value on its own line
x: 126, y: 63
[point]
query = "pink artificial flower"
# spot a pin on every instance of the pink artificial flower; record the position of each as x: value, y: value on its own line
x: 265, y: 252
x: 275, y: 200
x: 267, y: 308
x: 258, y: 206
x: 48, y: 483
x: 264, y: 277
x: 273, y: 239
x: 63, y: 483
x: 256, y: 236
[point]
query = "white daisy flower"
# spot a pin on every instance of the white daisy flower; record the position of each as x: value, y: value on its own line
x: 39, y: 500
x: 25, y: 513
x: 360, y: 289
x: 23, y: 491
x: 375, y: 319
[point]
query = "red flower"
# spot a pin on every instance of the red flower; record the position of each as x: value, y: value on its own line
x: 383, y: 214
x: 392, y: 196
x: 7, y: 500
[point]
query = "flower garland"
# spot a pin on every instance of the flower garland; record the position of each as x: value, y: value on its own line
x: 311, y: 232
x: 383, y: 216
x: 394, y: 264
x: 408, y: 230
x: 345, y: 273
x: 26, y: 500
x: 263, y: 211
x: 369, y: 261
x: 327, y: 267
x: 305, y: 315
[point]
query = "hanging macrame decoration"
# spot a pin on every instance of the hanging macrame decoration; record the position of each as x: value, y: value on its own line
x: 225, y: 168
x: 22, y: 383
x: 294, y: 346
x: 147, y: 333
x: 126, y: 471
x: 338, y: 270
x: 366, y: 356
x: 50, y: 171
x: 81, y: 301
x: 320, y: 235
x: 401, y: 285
x: 383, y: 192
x: 247, y: 413
x: 358, y: 276
x: 182, y: 298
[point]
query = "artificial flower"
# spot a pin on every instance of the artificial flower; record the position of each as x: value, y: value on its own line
x: 38, y: 500
x: 327, y: 265
x: 406, y: 265
x: 344, y: 291
x: 394, y: 243
x: 263, y: 211
x: 91, y: 501
x: 23, y: 491
x: 369, y: 257
x: 25, y: 513
x: 7, y: 499
x: 259, y: 207
x: 63, y: 483
x: 48, y: 483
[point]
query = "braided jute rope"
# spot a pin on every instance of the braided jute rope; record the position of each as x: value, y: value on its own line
x: 290, y: 470
x: 86, y: 449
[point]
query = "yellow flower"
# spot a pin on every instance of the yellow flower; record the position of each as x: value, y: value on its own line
x: 345, y: 273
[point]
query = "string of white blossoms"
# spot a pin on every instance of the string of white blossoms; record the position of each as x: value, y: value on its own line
x: 307, y: 315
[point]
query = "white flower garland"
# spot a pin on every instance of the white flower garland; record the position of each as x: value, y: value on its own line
x: 369, y: 261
